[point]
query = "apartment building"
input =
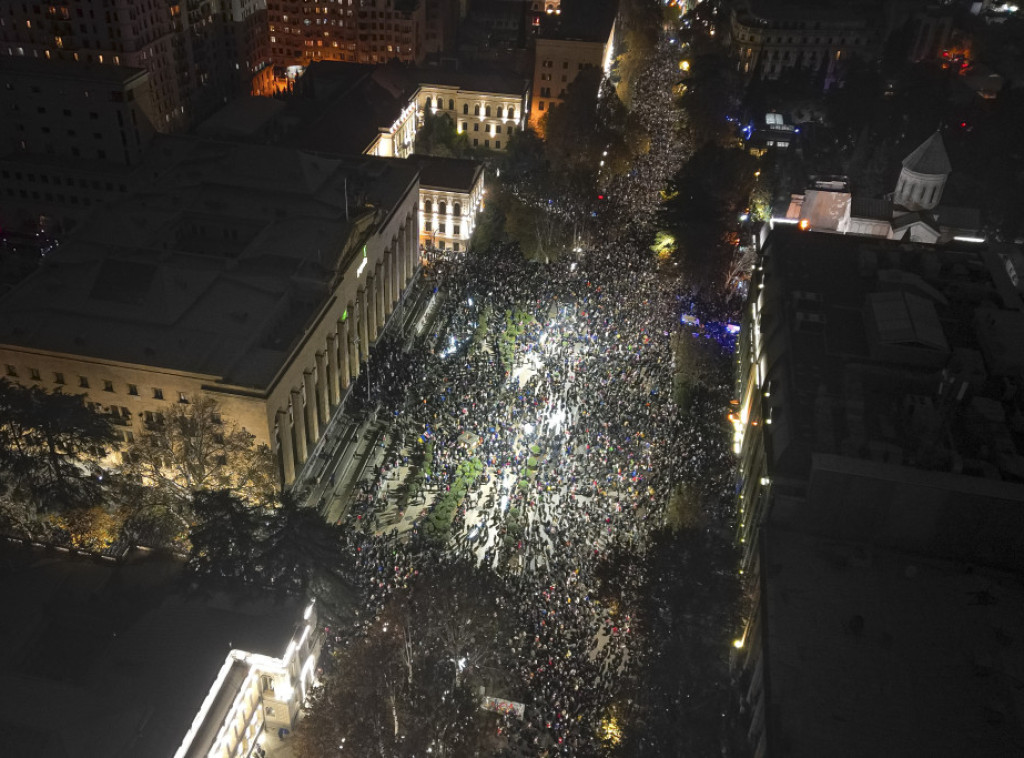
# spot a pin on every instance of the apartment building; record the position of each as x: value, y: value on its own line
x: 573, y: 36
x: 357, y: 31
x: 197, y: 52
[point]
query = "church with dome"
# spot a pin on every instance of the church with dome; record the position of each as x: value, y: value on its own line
x: 914, y: 211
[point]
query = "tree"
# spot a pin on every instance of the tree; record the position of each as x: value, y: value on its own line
x: 409, y: 685
x: 439, y: 137
x: 50, y: 448
x: 284, y: 547
x: 189, y: 448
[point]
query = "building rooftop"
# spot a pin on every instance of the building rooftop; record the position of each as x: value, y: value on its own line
x: 876, y: 652
x: 216, y: 269
x: 929, y: 157
x: 875, y: 349
x: 447, y: 173
x: 101, y: 659
x: 70, y: 70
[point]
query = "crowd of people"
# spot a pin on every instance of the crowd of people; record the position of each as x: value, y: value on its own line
x: 582, y: 444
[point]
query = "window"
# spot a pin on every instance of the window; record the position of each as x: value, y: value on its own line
x: 451, y: 105
x: 11, y: 370
x: 487, y: 143
x: 215, y: 417
x: 428, y: 206
x: 497, y: 144
x: 476, y: 126
x: 58, y: 377
x: 133, y: 389
x: 429, y: 226
x: 487, y: 111
x: 497, y: 128
x: 83, y: 382
x: 442, y: 228
x: 565, y: 64
x: 511, y: 112
x: 499, y: 112
x: 511, y: 129
x: 540, y: 105
x: 108, y: 386
x: 182, y: 397
x: 457, y: 209
x: 158, y: 394
x: 465, y: 108
x: 476, y: 110
x: 456, y: 230
x: 476, y: 142
x: 442, y: 208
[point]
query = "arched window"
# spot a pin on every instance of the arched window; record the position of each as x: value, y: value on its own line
x: 465, y: 108
x: 511, y: 111
x: 476, y: 110
x: 499, y: 111
x: 488, y: 111
x: 442, y: 207
x: 428, y: 206
x: 451, y: 104
x: 457, y: 209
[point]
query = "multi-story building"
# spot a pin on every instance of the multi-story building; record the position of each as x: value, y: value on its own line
x: 580, y: 35
x: 487, y: 108
x: 442, y: 26
x: 197, y: 52
x: 771, y: 36
x: 363, y: 31
x: 256, y: 276
x: 73, y: 139
x: 881, y: 471
x: 73, y: 111
x: 451, y: 196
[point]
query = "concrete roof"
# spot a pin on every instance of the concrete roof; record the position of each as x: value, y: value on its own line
x: 854, y: 327
x: 456, y: 174
x: 871, y: 652
x: 216, y: 270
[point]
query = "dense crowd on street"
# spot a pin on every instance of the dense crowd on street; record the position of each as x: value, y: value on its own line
x: 580, y: 438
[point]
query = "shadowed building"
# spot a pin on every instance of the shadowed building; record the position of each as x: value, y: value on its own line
x: 879, y: 424
x: 257, y: 276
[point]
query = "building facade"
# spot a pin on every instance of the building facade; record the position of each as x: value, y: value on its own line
x: 572, y: 36
x: 363, y: 31
x: 771, y: 37
x: 488, y: 117
x: 259, y: 277
x: 451, y: 197
x: 254, y: 694
x: 197, y: 52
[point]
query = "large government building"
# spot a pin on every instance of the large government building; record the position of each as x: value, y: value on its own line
x: 257, y: 276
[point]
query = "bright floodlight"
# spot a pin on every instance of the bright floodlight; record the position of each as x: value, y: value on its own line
x: 471, y: 302
x: 557, y: 418
x: 528, y: 428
